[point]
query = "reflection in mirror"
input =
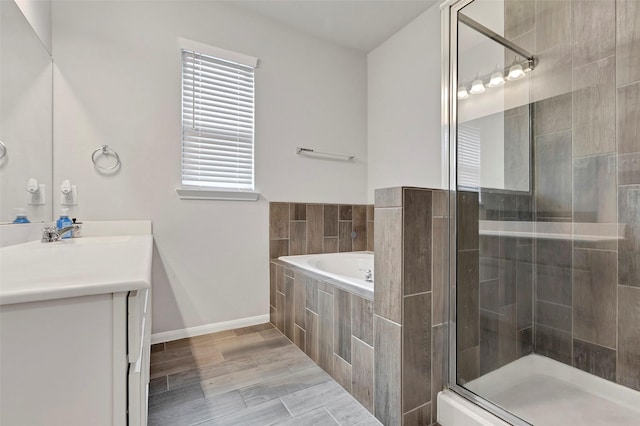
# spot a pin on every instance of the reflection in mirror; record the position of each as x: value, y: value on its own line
x: 499, y: 147
x: 25, y: 119
x: 494, y: 138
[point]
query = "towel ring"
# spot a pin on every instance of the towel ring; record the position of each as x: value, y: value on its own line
x: 3, y: 150
x: 106, y: 151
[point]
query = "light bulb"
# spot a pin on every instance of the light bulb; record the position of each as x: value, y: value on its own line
x: 462, y: 92
x: 515, y: 72
x: 496, y: 80
x: 477, y: 87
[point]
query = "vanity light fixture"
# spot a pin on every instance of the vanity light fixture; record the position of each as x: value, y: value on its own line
x: 462, y: 92
x: 529, y: 64
x: 477, y: 87
x: 497, y: 79
x: 515, y: 72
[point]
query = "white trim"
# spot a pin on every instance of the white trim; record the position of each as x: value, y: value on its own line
x: 227, y: 55
x: 208, y: 194
x: 199, y: 330
x: 454, y: 410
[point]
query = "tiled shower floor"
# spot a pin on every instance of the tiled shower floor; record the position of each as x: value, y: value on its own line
x: 249, y: 376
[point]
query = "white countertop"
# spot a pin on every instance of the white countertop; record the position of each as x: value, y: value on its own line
x: 84, y: 266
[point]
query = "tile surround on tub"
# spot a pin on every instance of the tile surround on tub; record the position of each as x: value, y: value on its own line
x: 332, y: 326
x: 411, y: 269
x: 368, y: 346
x: 387, y: 371
x: 362, y: 372
x: 388, y: 264
x: 304, y: 228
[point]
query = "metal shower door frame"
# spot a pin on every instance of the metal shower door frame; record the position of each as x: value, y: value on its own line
x: 449, y: 26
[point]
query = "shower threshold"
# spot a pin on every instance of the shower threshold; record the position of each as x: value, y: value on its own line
x: 545, y: 392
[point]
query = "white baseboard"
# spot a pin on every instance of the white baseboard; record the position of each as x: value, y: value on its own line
x: 168, y: 336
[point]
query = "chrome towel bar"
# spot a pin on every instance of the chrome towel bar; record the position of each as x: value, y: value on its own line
x: 301, y: 151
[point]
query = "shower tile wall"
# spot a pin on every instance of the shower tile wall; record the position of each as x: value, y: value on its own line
x: 587, y: 170
x: 495, y: 284
x: 468, y: 288
x: 506, y: 282
x: 299, y: 228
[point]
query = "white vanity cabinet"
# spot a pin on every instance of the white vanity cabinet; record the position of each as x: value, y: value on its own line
x: 76, y: 351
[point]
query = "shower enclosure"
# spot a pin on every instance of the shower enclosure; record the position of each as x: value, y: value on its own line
x: 542, y: 122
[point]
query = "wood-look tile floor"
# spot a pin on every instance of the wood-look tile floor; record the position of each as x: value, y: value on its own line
x: 249, y: 376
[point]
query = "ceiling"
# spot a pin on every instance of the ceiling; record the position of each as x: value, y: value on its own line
x: 358, y: 24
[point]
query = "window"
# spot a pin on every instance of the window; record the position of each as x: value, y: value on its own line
x: 468, y: 157
x: 217, y: 120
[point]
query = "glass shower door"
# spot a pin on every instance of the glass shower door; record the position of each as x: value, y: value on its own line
x: 546, y: 180
x: 494, y: 199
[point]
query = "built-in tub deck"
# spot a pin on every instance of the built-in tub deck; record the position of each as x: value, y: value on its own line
x: 343, y: 270
x: 329, y: 315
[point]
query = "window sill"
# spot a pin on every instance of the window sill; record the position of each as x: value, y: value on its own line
x: 212, y: 194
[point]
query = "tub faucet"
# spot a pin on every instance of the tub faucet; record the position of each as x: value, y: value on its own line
x: 368, y: 275
x: 52, y: 234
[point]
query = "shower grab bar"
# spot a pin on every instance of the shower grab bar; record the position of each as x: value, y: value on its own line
x: 301, y: 151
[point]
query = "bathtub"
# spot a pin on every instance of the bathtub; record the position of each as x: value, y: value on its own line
x: 344, y: 270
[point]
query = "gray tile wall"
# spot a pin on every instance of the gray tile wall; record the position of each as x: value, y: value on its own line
x: 587, y: 169
x: 470, y: 323
x: 411, y: 269
x: 332, y: 326
x: 299, y: 228
x: 505, y: 281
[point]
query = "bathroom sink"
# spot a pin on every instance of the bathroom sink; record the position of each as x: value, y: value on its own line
x: 74, y: 267
x: 85, y: 304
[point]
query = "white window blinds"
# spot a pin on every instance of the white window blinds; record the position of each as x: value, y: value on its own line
x: 468, y: 157
x: 217, y: 122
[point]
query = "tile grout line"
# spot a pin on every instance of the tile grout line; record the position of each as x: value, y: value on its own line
x: 362, y: 341
x: 285, y: 405
x: 324, y: 407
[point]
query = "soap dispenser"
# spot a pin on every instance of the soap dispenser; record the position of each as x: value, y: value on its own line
x: 21, y: 216
x: 64, y: 221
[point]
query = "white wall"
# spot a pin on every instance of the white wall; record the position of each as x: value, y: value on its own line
x: 404, y: 124
x: 117, y: 82
x: 38, y: 13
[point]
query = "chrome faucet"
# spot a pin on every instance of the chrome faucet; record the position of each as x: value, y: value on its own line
x: 368, y: 275
x: 52, y: 234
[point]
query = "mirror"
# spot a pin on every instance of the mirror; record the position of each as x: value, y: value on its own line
x: 494, y: 117
x: 26, y: 117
